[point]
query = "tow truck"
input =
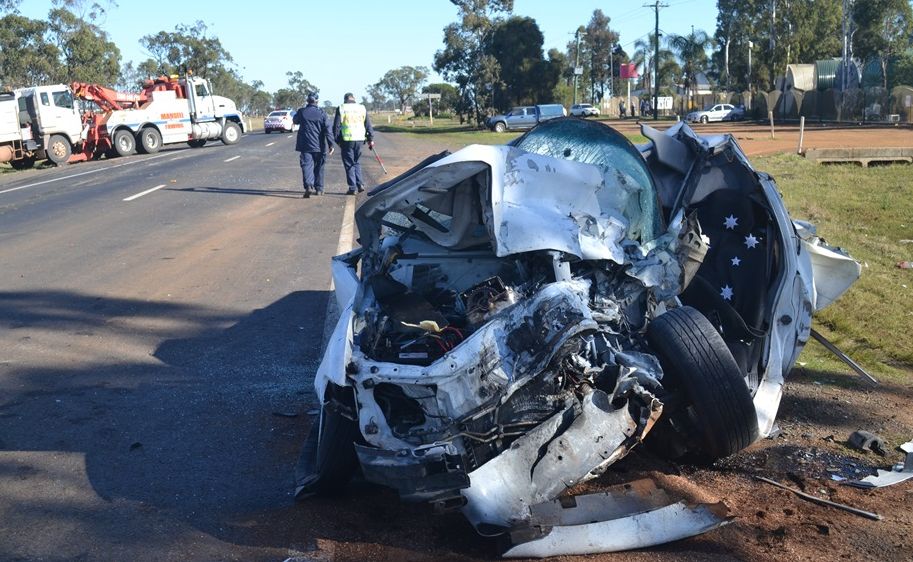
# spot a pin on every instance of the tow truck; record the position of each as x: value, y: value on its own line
x: 46, y: 122
x: 168, y: 110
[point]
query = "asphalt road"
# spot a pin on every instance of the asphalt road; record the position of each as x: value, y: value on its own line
x: 156, y: 349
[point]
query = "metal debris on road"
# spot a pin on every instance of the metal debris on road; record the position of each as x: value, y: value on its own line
x: 815, y: 499
x: 867, y: 441
x: 900, y: 473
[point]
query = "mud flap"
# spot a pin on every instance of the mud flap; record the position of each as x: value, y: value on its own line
x: 629, y: 516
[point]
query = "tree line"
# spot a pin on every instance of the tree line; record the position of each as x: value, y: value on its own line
x: 491, y: 58
x: 495, y: 59
x: 71, y: 45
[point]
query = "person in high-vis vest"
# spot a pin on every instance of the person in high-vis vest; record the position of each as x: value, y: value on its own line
x: 352, y: 128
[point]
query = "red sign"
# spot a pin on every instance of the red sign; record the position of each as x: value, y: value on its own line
x: 627, y: 70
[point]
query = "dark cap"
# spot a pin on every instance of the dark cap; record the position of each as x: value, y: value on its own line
x: 313, y: 97
x: 349, y: 97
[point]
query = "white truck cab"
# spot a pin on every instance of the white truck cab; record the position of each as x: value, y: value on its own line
x: 37, y: 123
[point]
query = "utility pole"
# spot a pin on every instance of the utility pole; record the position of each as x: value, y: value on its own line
x: 611, y: 70
x: 577, y: 70
x: 656, y: 5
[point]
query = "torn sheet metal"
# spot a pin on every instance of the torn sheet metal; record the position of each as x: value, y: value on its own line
x: 901, y: 473
x: 834, y: 270
x: 631, y: 516
x: 555, y: 456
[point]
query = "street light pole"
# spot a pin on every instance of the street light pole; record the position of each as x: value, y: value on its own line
x: 577, y: 69
x: 750, y: 89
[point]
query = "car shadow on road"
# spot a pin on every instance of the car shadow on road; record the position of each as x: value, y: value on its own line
x: 206, y: 431
x: 288, y: 193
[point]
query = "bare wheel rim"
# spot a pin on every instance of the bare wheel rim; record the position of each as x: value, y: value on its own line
x: 59, y: 149
x: 231, y: 134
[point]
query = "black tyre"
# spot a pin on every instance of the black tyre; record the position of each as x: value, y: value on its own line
x: 231, y: 134
x: 715, y: 416
x: 124, y: 143
x: 59, y: 149
x: 267, y: 131
x: 23, y: 164
x: 500, y: 127
x: 149, y: 141
x: 198, y: 143
x: 328, y: 459
x: 704, y: 119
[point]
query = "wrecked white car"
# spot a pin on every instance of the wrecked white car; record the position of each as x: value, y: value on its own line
x: 520, y: 317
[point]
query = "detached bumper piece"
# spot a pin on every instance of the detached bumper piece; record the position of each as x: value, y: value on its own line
x: 629, y: 516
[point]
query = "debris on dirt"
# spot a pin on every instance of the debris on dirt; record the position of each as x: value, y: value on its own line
x: 136, y: 445
x: 285, y: 414
x: 899, y: 473
x: 814, y: 499
x: 905, y: 264
x: 867, y: 441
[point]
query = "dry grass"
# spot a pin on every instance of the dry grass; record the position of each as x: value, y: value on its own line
x: 867, y: 211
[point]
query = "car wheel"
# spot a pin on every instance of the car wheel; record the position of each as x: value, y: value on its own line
x: 267, y: 131
x: 712, y: 412
x: 500, y: 127
x: 59, y: 149
x: 150, y: 141
x: 231, y: 134
x: 704, y: 119
x: 124, y: 143
x: 328, y: 459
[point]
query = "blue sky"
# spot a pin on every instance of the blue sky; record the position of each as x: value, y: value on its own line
x: 340, y: 54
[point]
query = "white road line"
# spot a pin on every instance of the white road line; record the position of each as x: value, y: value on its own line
x: 147, y: 192
x: 290, y: 136
x: 271, y: 144
x: 346, y: 242
x: 347, y: 231
x: 95, y: 171
x: 232, y: 158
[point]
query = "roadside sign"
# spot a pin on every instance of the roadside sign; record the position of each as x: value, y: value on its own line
x: 664, y: 102
x: 578, y: 70
x: 430, y: 96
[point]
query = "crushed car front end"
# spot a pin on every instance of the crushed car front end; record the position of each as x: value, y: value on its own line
x: 515, y: 322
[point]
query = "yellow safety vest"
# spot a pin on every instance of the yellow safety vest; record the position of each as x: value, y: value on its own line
x: 352, y: 120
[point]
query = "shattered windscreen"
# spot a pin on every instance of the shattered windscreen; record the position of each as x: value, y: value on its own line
x: 594, y: 143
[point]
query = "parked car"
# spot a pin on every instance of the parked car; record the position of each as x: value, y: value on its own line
x: 280, y: 121
x: 719, y: 112
x: 525, y: 117
x: 584, y: 110
x: 520, y: 317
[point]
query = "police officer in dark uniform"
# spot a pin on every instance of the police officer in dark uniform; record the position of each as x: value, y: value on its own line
x: 352, y: 128
x: 314, y: 140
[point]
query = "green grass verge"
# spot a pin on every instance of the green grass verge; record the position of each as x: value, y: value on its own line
x: 451, y: 132
x: 867, y: 211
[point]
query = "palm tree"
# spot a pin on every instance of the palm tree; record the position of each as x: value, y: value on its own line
x: 643, y: 58
x: 691, y: 50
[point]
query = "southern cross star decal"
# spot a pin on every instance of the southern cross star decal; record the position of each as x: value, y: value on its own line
x: 736, y: 261
x: 751, y: 241
x: 726, y: 293
x: 731, y: 222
